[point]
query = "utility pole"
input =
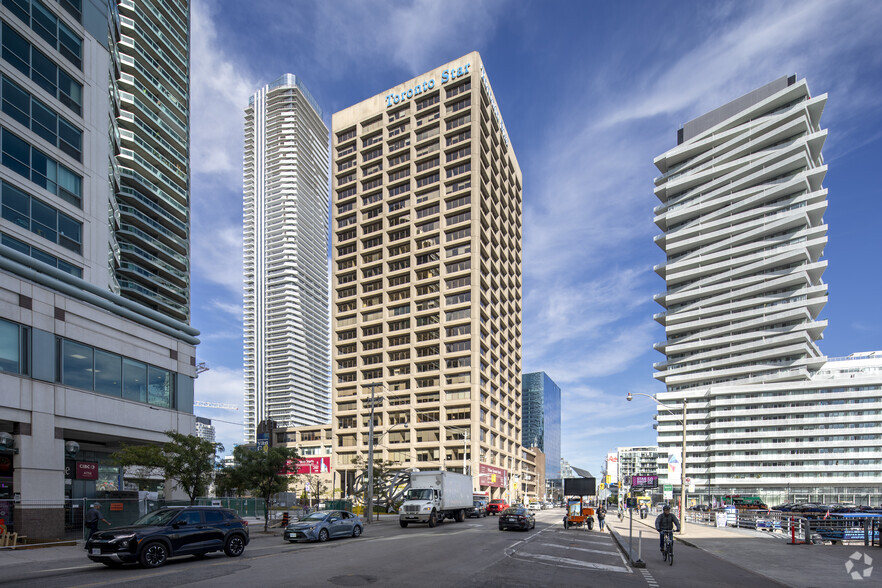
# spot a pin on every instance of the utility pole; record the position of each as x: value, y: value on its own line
x: 369, y: 501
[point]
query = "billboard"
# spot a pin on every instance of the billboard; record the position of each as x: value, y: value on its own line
x: 492, y: 476
x: 580, y: 486
x: 644, y: 481
x: 309, y: 465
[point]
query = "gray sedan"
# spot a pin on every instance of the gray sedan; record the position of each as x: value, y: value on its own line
x: 323, y: 525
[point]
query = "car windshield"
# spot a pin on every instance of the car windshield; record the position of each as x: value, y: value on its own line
x: 419, y: 494
x: 156, y: 518
x: 316, y: 516
x: 477, y: 503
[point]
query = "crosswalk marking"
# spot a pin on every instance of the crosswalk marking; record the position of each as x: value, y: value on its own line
x: 586, y: 550
x: 575, y: 562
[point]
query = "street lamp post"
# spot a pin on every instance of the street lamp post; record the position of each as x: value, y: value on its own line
x: 369, y: 501
x: 682, y: 456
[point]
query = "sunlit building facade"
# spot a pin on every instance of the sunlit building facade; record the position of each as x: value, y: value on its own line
x: 742, y: 214
x: 426, y: 263
x: 287, y: 346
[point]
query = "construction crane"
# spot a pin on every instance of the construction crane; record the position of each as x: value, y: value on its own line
x: 204, y: 404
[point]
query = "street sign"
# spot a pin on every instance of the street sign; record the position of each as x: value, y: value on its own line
x: 604, y: 494
x: 669, y: 491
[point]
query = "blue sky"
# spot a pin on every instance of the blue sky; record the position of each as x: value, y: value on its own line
x: 591, y: 92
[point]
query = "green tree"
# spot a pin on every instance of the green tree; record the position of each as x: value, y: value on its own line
x: 186, y: 460
x: 263, y: 473
x: 316, y: 487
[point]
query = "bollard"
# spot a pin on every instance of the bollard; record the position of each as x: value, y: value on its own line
x: 639, y: 545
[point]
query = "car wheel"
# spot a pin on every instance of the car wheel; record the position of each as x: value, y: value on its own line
x: 403, y: 524
x: 154, y: 555
x: 534, y: 524
x: 433, y: 519
x: 501, y: 528
x: 356, y: 531
x: 235, y: 545
x: 323, y: 535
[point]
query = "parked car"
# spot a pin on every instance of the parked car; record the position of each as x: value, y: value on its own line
x: 322, y: 525
x: 517, y: 518
x: 547, y: 506
x: 170, y: 532
x: 478, y: 510
x: 496, y: 506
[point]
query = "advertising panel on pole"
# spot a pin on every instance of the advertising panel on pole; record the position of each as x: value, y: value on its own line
x: 492, y: 476
x: 675, y: 463
x: 642, y: 481
x: 668, y: 492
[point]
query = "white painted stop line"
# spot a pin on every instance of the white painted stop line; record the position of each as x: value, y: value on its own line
x: 575, y: 563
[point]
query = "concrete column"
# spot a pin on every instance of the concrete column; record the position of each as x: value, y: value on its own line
x: 39, y: 476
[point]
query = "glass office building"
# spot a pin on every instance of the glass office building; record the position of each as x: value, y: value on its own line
x: 540, y: 420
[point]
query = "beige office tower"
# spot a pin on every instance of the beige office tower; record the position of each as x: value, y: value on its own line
x: 426, y: 262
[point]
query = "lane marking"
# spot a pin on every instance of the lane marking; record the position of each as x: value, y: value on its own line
x: 581, y: 549
x: 575, y: 563
x: 648, y: 577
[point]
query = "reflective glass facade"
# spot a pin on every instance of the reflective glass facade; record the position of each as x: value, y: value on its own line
x: 540, y: 420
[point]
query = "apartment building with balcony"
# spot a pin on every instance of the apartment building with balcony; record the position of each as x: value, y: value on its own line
x: 95, y: 345
x: 741, y: 208
x: 287, y: 341
x: 426, y: 263
x: 634, y: 461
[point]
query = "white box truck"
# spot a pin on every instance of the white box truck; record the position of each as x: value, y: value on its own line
x: 435, y: 496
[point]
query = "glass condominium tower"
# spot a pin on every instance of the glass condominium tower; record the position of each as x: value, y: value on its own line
x: 95, y: 345
x: 742, y: 213
x: 426, y: 262
x: 287, y: 347
x: 540, y: 424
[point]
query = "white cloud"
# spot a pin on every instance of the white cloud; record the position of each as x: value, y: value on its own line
x: 223, y: 385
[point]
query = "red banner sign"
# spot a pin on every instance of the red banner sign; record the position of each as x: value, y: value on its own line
x: 310, y: 465
x: 87, y: 470
x: 493, y: 476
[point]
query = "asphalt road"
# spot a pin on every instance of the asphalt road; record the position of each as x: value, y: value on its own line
x: 472, y: 554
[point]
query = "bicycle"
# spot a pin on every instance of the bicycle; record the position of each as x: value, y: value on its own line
x: 668, y: 551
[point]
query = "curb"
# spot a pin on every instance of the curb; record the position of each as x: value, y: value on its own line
x: 623, y: 545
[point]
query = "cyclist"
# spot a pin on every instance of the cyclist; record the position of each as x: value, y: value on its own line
x: 666, y: 521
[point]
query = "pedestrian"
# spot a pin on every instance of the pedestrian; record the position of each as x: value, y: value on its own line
x: 93, y: 515
x: 601, y: 517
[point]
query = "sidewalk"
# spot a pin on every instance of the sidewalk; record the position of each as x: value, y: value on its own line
x: 769, y: 554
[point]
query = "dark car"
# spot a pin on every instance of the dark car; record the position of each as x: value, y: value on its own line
x: 478, y: 510
x: 496, y: 506
x: 517, y: 517
x: 323, y: 525
x: 169, y: 532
